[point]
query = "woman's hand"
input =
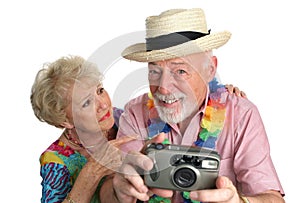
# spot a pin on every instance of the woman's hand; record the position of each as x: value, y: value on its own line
x: 235, y: 90
x: 108, y: 156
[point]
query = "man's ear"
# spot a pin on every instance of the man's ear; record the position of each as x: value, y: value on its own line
x: 67, y: 125
x: 212, y: 68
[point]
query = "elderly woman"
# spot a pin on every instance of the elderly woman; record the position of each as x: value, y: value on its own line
x: 69, y: 94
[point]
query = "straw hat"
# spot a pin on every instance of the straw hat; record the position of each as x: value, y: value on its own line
x: 175, y: 33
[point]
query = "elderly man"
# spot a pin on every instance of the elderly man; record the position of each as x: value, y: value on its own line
x: 187, y: 106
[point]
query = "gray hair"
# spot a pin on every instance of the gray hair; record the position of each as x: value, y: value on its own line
x: 50, y: 93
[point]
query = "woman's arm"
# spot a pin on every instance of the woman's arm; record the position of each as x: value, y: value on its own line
x: 87, y: 182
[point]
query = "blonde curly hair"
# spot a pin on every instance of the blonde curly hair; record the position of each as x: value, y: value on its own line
x: 50, y: 92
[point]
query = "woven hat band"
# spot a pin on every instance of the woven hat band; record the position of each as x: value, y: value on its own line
x: 172, y: 39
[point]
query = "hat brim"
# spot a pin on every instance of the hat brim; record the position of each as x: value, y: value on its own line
x: 138, y: 52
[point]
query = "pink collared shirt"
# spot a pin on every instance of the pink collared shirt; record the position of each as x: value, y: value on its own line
x: 243, y: 144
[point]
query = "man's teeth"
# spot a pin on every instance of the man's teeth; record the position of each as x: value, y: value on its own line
x: 170, y: 101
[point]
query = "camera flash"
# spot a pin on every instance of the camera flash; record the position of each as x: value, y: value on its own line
x: 209, y: 164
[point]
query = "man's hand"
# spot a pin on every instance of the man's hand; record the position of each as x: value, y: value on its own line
x: 225, y: 192
x: 128, y: 184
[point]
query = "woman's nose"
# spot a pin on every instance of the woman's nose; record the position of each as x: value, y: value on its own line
x: 100, y: 104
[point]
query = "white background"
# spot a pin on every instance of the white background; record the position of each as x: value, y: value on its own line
x: 261, y: 58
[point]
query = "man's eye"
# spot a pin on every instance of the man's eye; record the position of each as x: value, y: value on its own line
x: 86, y: 104
x: 100, y: 90
x: 181, y: 72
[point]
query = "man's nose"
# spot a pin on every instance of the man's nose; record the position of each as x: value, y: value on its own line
x: 166, y: 82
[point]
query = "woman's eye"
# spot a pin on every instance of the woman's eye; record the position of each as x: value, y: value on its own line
x: 86, y: 104
x: 100, y: 90
x: 153, y: 72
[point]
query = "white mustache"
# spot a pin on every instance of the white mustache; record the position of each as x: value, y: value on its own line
x: 170, y: 97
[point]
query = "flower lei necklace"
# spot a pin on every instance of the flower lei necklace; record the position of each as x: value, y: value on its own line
x: 211, y: 126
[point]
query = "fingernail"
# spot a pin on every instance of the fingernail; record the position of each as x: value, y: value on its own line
x: 193, y: 195
x: 147, y: 164
x: 144, y: 189
x: 225, y: 182
x: 150, y: 193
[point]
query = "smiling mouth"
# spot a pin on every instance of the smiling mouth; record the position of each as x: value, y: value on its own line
x: 169, y: 101
x: 105, y: 116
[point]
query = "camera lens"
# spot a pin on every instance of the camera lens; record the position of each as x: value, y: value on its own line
x: 184, y: 177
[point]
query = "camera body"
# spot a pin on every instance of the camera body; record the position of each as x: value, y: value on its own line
x: 183, y: 168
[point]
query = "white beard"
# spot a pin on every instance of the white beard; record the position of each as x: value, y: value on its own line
x: 172, y: 115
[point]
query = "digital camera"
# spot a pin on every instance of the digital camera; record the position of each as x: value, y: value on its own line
x: 183, y: 168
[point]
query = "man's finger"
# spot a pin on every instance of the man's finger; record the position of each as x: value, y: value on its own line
x: 138, y: 159
x: 162, y: 192
x: 213, y: 195
x: 125, y: 191
x: 132, y: 176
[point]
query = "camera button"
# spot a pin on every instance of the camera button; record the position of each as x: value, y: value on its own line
x: 159, y: 146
